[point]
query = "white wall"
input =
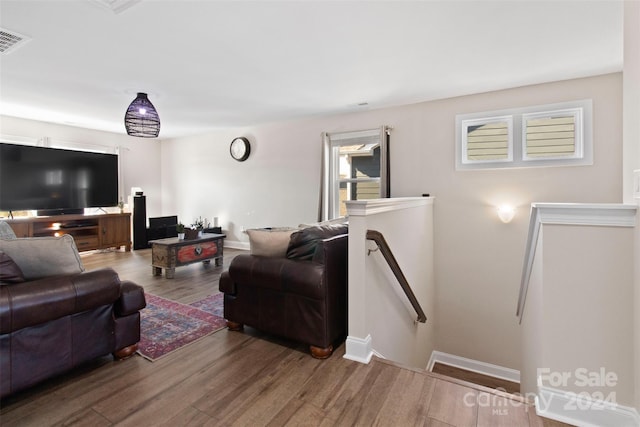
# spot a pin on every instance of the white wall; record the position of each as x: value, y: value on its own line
x: 276, y: 186
x: 478, y: 259
x: 139, y: 157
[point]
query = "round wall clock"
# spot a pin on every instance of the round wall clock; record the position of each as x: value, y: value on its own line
x: 240, y: 149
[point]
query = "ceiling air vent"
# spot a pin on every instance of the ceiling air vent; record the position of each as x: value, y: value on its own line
x: 10, y: 40
x: 116, y: 6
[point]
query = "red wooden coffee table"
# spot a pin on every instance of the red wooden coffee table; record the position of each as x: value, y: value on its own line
x: 172, y: 252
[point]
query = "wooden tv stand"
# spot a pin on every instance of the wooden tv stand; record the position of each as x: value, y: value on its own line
x: 90, y: 232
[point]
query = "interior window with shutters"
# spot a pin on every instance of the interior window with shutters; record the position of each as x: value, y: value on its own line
x: 543, y: 135
x: 488, y: 140
x: 552, y: 135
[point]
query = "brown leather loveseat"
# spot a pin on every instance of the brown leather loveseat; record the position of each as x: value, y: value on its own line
x: 52, y: 324
x: 301, y: 296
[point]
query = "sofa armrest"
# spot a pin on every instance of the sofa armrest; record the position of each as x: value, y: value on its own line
x: 131, y: 299
x: 95, y: 288
x: 332, y: 249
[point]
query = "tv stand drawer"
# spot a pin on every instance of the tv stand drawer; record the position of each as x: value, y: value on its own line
x: 86, y: 242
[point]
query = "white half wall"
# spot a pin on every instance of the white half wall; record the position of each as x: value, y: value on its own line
x: 578, y: 327
x: 381, y: 318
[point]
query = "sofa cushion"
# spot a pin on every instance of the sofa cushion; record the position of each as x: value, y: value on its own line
x: 269, y: 242
x: 40, y: 257
x: 9, y: 270
x: 303, y: 243
x: 39, y: 301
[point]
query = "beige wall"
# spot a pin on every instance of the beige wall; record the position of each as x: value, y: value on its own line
x: 631, y: 156
x: 588, y: 305
x: 478, y: 259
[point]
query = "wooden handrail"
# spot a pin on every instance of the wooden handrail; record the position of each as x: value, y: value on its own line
x: 382, y: 244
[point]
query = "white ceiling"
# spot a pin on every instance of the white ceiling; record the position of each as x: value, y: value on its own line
x: 209, y: 64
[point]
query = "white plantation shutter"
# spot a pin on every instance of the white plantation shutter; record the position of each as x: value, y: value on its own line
x: 551, y: 135
x: 488, y: 139
x: 488, y: 142
x: 537, y: 136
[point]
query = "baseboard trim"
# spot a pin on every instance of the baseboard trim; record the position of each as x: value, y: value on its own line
x: 567, y: 407
x: 236, y: 244
x: 473, y: 366
x: 358, y: 349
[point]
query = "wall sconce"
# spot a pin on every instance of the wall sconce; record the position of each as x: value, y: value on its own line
x: 506, y: 213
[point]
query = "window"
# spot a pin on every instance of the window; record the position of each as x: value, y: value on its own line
x: 547, y: 135
x: 552, y: 135
x: 355, y: 167
x: 487, y: 140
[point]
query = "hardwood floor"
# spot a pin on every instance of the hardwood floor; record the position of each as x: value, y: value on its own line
x: 249, y: 379
x: 476, y: 378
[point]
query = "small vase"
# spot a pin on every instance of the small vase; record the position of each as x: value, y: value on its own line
x: 180, y: 236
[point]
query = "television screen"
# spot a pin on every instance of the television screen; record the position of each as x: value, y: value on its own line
x: 39, y: 178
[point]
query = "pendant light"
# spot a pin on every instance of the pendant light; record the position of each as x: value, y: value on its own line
x: 141, y: 118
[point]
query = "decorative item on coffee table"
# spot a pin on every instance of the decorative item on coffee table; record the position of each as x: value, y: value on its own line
x: 199, y: 224
x: 171, y: 252
x: 191, y: 233
x: 180, y: 230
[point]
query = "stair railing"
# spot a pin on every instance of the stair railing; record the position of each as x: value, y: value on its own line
x: 382, y: 244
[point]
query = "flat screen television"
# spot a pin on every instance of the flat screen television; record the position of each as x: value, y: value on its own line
x: 55, y: 181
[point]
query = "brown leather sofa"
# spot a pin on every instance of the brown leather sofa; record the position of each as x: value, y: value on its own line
x: 50, y: 325
x: 302, y: 297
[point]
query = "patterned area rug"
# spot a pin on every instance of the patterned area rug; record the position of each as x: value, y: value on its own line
x: 166, y: 325
x: 213, y: 304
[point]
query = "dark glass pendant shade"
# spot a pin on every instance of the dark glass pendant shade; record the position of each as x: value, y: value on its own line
x: 141, y: 118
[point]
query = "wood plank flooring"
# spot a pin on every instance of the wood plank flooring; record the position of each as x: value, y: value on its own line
x: 476, y: 378
x: 249, y: 379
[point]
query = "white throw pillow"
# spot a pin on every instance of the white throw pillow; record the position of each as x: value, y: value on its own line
x: 40, y: 257
x: 270, y: 242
